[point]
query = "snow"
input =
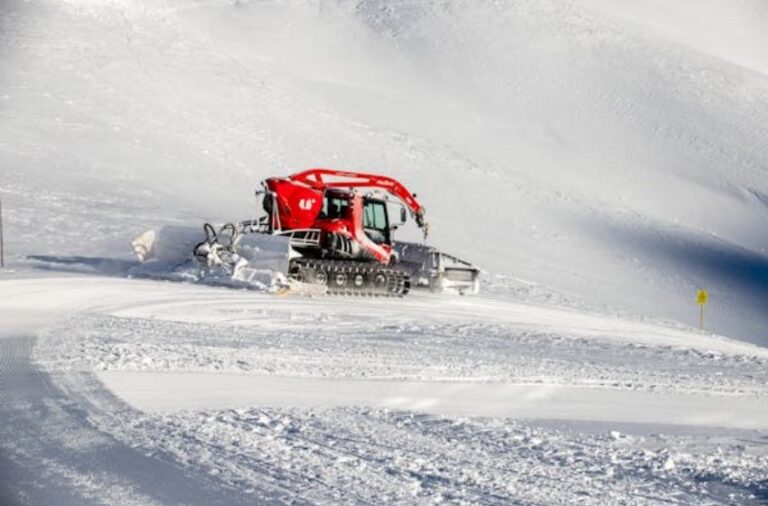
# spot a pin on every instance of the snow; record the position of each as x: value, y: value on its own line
x: 600, y: 160
x: 290, y: 399
x: 591, y: 151
x: 169, y: 392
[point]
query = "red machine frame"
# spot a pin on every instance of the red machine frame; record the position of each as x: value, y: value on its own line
x: 299, y: 197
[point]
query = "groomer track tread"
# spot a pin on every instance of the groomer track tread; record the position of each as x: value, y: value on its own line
x: 343, y: 277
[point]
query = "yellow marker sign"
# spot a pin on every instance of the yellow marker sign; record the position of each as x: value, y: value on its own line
x: 701, y: 299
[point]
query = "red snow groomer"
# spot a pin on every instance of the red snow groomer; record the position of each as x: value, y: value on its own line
x: 336, y: 229
x: 350, y: 224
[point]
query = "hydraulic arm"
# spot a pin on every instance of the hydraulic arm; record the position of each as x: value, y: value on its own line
x: 321, y: 179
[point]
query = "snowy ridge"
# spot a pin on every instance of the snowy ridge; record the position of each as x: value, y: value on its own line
x: 329, y: 345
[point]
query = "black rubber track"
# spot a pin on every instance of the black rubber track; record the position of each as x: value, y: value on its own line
x: 345, y: 277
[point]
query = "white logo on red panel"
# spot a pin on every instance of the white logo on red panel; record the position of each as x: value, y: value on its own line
x: 307, y: 204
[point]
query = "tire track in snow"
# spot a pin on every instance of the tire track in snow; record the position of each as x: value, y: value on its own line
x: 51, y: 452
x: 383, y: 456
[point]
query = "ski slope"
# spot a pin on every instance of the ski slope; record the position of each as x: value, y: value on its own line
x: 600, y: 160
x: 264, y: 398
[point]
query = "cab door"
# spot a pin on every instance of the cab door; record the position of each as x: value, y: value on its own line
x: 376, y: 221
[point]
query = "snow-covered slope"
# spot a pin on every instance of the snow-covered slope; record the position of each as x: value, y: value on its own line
x: 601, y: 160
x: 136, y: 392
x: 613, y: 151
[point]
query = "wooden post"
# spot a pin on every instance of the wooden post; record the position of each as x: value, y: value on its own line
x: 2, y: 250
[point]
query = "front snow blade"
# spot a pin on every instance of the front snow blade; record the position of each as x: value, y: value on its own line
x: 235, y: 258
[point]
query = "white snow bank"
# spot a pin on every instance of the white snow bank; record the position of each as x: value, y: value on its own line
x: 170, y: 392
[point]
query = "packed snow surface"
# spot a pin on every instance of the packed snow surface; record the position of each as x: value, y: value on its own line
x: 129, y: 390
x: 600, y: 160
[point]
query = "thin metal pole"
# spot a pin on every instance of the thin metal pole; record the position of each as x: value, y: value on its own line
x: 701, y: 317
x: 2, y: 249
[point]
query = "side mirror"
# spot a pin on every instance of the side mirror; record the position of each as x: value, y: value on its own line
x: 397, y: 214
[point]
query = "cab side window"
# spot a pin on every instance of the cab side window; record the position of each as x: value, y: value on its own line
x: 334, y: 208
